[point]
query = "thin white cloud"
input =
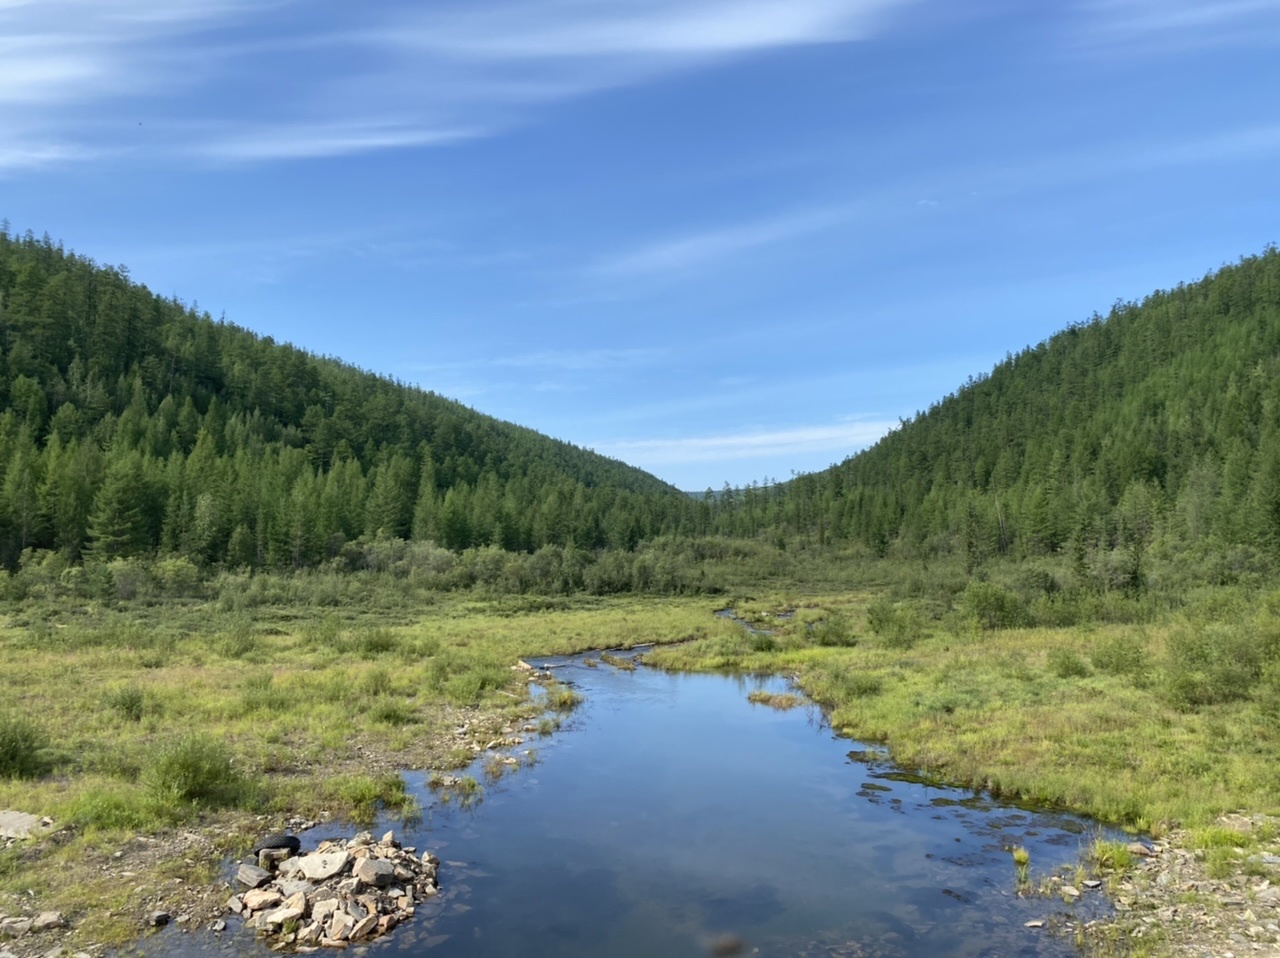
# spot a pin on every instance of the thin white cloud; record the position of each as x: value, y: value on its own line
x: 843, y: 438
x: 309, y: 141
x: 1156, y: 26
x: 305, y: 84
x: 702, y: 248
x: 641, y: 28
x: 567, y: 360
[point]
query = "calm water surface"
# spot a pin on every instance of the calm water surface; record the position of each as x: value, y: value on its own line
x: 671, y: 810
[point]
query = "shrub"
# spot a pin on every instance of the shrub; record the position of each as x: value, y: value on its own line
x: 834, y: 630
x: 994, y: 606
x: 1121, y: 655
x: 1066, y: 664
x: 1212, y: 663
x: 194, y: 770
x: 129, y: 701
x: 897, y: 626
x: 21, y: 745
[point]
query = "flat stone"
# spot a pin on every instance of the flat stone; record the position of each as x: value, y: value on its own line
x: 14, y: 927
x: 295, y: 885
x: 158, y: 919
x: 375, y: 871
x: 364, y: 927
x: 47, y: 921
x: 1092, y: 883
x: 1071, y: 891
x: 261, y: 898
x: 22, y: 825
x: 323, y: 866
x: 322, y: 911
x: 1034, y: 923
x: 251, y: 876
x: 292, y: 910
x: 1139, y: 849
x: 340, y: 925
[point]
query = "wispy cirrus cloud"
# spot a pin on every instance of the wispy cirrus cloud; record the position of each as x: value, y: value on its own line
x: 1156, y: 26
x: 841, y: 438
x: 568, y: 360
x: 225, y: 81
x: 701, y: 248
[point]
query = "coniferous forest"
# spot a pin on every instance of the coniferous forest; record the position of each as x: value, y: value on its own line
x: 136, y: 426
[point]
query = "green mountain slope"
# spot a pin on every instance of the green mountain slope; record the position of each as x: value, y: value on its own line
x: 1161, y: 421
x: 131, y: 424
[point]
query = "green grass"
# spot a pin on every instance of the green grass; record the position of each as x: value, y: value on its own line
x: 1021, y: 712
x: 22, y: 745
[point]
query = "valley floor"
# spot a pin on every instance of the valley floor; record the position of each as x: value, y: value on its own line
x: 170, y: 734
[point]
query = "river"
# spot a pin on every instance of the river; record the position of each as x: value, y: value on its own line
x: 670, y: 811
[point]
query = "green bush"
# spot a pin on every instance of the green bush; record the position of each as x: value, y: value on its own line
x: 1066, y: 664
x: 898, y: 626
x: 194, y: 770
x: 834, y: 630
x: 994, y: 606
x: 21, y: 746
x: 1121, y: 655
x: 1213, y: 663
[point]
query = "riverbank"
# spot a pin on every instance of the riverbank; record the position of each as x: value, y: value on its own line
x: 1096, y: 719
x: 166, y: 737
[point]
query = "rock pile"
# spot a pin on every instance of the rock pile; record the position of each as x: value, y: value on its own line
x: 337, y: 895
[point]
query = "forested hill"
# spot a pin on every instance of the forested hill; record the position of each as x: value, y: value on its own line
x: 131, y: 424
x: 1160, y: 421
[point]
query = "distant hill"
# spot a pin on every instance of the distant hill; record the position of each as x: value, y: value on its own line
x: 131, y: 424
x: 1159, y: 422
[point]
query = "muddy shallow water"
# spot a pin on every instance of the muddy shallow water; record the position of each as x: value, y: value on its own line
x: 670, y: 810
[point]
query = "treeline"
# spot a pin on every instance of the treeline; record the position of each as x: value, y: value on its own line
x: 1158, y: 424
x: 136, y: 425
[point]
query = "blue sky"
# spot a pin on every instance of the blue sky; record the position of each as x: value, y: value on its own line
x: 720, y: 239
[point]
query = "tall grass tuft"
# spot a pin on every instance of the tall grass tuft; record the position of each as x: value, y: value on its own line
x: 21, y: 746
x: 194, y: 770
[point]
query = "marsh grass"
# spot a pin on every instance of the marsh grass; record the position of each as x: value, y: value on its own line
x: 782, y: 701
x: 618, y: 662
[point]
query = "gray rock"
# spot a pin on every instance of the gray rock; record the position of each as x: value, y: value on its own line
x: 158, y: 919
x: 217, y: 925
x: 374, y: 871
x: 363, y: 928
x: 14, y: 927
x: 251, y: 876
x: 293, y: 909
x: 22, y: 825
x: 323, y: 866
x: 322, y: 911
x: 340, y: 925
x: 47, y: 921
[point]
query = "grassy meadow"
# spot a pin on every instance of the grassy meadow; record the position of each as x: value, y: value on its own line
x: 227, y: 706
